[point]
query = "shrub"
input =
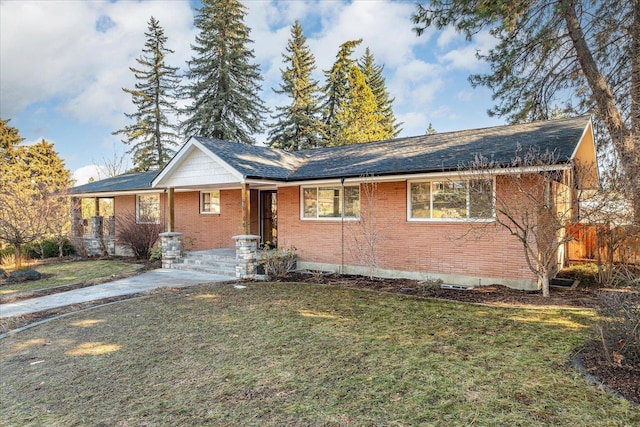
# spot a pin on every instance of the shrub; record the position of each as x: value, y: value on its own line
x: 48, y: 249
x: 138, y: 235
x: 278, y: 263
x: 619, y: 328
x: 7, y: 255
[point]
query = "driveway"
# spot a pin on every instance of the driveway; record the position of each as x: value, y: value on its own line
x: 131, y: 285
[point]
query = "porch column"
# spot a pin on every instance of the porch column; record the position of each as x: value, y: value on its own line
x: 246, y: 210
x: 96, y: 201
x: 171, y: 243
x: 171, y: 219
x: 76, y: 217
x: 246, y: 255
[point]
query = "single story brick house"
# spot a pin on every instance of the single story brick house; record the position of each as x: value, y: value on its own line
x: 316, y: 201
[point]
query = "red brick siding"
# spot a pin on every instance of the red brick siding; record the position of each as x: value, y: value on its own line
x: 200, y: 231
x: 444, y: 248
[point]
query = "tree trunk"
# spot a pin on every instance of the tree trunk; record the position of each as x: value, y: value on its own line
x: 18, y: 253
x: 545, y: 283
x: 626, y: 141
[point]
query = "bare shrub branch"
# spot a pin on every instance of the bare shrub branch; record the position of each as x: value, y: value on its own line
x: 139, y: 235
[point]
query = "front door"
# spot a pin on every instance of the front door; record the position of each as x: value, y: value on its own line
x: 269, y: 218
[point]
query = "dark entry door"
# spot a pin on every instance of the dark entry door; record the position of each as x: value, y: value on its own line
x: 269, y: 218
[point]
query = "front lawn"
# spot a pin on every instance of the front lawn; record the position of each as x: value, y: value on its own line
x: 67, y: 273
x: 292, y: 354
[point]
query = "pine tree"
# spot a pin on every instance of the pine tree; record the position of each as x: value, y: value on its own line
x: 358, y: 113
x: 9, y: 140
x: 224, y: 83
x: 374, y: 78
x: 558, y: 50
x: 336, y: 90
x: 298, y: 125
x: 152, y: 135
x: 431, y: 130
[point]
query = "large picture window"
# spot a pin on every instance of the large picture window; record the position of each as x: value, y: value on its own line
x: 148, y: 209
x: 328, y: 202
x: 451, y: 200
x: 210, y: 202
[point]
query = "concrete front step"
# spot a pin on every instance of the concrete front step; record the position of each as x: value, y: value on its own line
x: 217, y: 261
x: 223, y: 271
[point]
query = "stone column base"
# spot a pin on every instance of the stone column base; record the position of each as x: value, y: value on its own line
x: 246, y: 255
x: 171, y: 248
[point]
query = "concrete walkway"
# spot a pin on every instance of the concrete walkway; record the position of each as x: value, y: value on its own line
x: 131, y: 285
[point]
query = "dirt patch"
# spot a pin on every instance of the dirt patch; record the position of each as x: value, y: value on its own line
x: 492, y: 295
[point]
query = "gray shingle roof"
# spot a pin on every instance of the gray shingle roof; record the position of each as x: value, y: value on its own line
x: 128, y: 182
x: 442, y: 152
x: 448, y: 151
x: 254, y: 161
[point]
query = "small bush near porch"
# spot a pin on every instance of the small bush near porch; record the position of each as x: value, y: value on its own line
x: 277, y: 354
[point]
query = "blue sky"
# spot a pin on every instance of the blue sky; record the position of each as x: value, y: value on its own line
x: 63, y: 64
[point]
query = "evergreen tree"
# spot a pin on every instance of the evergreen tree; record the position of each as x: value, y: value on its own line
x: 32, y: 182
x: 431, y: 130
x: 152, y: 135
x: 374, y: 78
x: 547, y: 51
x: 336, y: 90
x: 298, y: 125
x: 360, y: 119
x: 9, y: 140
x: 224, y: 83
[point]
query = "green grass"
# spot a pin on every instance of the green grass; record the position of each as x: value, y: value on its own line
x: 290, y: 354
x: 67, y: 273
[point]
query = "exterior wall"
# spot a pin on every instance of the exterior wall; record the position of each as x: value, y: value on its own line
x: 201, y: 231
x: 208, y: 231
x: 456, y: 252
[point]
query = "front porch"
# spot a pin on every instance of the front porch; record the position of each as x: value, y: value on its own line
x: 240, y: 262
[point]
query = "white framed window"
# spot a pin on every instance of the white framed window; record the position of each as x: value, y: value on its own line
x: 148, y: 209
x: 328, y: 202
x: 451, y: 200
x: 210, y: 202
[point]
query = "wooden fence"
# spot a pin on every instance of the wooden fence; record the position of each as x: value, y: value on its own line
x: 601, y: 242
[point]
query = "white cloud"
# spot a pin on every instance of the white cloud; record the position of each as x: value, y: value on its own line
x: 84, y: 174
x: 465, y: 56
x: 79, y: 52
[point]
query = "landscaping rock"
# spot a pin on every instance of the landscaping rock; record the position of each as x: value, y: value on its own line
x: 23, y: 276
x: 3, y: 274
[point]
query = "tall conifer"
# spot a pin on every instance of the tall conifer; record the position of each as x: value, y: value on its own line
x: 336, y: 90
x: 224, y: 82
x: 298, y: 125
x: 152, y: 136
x: 374, y: 78
x: 358, y: 113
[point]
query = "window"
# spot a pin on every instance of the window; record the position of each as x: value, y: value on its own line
x: 451, y: 200
x: 329, y: 202
x: 210, y: 202
x: 148, y: 209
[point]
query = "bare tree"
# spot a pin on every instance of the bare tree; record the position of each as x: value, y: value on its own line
x: 113, y: 166
x: 534, y: 200
x: 368, y: 231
